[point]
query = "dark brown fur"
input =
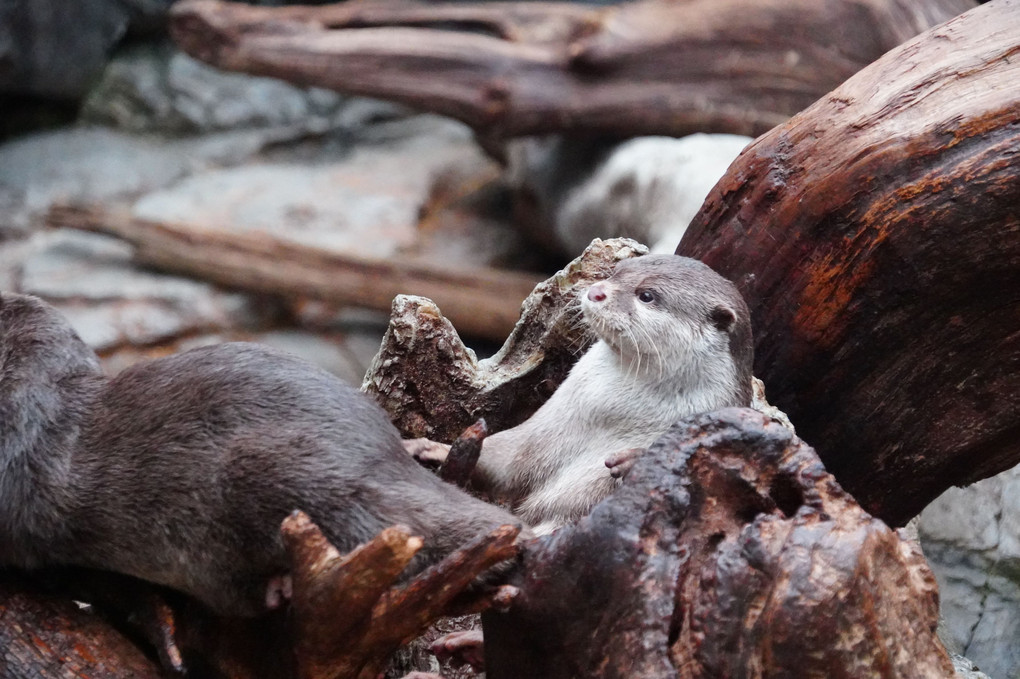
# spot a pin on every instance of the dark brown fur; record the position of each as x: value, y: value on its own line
x: 180, y: 470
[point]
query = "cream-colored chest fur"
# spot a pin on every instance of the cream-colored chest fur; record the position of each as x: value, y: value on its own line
x: 553, y: 465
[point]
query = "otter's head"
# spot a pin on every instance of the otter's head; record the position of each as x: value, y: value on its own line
x: 36, y: 342
x: 675, y: 317
x: 48, y: 379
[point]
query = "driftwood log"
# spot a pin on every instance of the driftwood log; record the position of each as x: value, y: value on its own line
x: 350, y: 617
x: 485, y: 302
x: 649, y: 67
x: 876, y: 238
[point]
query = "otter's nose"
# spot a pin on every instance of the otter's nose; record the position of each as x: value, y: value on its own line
x: 597, y: 293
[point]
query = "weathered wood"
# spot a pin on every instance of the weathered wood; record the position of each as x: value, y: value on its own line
x: 433, y: 386
x: 350, y: 616
x: 43, y: 636
x: 876, y: 238
x: 727, y: 552
x: 484, y: 302
x: 738, y: 66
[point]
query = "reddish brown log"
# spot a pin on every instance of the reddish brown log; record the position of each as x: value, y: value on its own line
x: 728, y: 552
x: 876, y: 238
x: 738, y: 66
x: 43, y: 636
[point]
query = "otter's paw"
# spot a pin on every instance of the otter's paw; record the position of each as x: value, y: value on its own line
x: 620, y: 463
x: 461, y: 648
x: 427, y: 453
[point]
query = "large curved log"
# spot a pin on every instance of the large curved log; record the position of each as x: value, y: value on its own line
x: 728, y: 552
x: 876, y: 238
x: 648, y: 67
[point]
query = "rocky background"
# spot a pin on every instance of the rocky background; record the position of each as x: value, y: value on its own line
x: 99, y: 107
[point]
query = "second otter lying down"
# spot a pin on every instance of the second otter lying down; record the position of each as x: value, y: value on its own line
x: 180, y: 470
x: 674, y: 340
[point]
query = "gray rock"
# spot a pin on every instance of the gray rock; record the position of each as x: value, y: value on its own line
x: 367, y: 202
x: 86, y: 164
x: 970, y: 537
x: 55, y: 48
x: 646, y: 188
x: 328, y: 353
x: 111, y: 303
x: 157, y: 88
x: 95, y: 164
x: 965, y: 669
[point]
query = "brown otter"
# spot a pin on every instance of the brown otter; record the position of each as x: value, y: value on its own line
x: 674, y: 340
x: 180, y: 470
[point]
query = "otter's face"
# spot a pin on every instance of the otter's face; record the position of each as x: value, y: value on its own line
x: 670, y: 314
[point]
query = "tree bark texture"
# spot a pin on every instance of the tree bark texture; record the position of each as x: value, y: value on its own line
x: 728, y: 552
x: 51, y: 637
x: 739, y: 66
x: 876, y: 238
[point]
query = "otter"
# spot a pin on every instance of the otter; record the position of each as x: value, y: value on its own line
x: 180, y: 470
x: 674, y: 339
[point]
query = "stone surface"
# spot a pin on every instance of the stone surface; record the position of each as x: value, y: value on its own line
x: 55, y: 48
x: 90, y: 163
x: 314, y: 190
x: 112, y: 303
x: 970, y: 537
x: 156, y: 87
x: 367, y: 202
x: 966, y: 669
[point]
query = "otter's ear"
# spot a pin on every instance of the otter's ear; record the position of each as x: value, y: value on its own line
x: 723, y: 317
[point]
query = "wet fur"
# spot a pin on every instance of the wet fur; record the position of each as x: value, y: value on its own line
x: 180, y: 470
x: 687, y: 352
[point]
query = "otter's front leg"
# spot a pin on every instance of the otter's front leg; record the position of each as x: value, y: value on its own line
x: 502, y: 469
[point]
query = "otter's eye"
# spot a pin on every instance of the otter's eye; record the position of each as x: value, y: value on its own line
x: 646, y: 296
